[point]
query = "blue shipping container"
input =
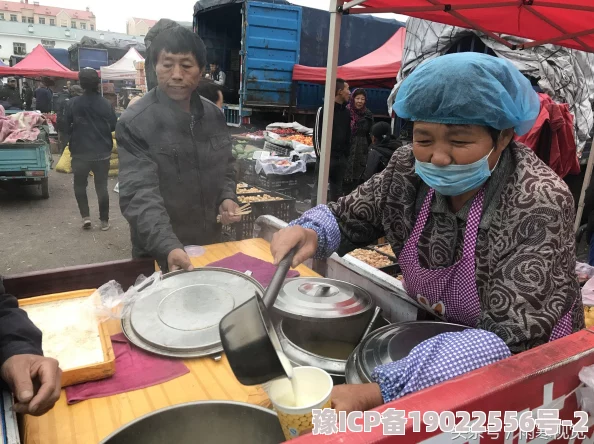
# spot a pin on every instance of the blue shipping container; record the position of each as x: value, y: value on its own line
x: 272, y: 37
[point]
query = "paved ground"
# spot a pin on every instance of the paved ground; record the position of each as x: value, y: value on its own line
x: 37, y: 234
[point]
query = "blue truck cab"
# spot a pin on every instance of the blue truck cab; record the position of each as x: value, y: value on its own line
x: 26, y: 163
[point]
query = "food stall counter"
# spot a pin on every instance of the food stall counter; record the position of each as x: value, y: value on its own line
x: 92, y: 420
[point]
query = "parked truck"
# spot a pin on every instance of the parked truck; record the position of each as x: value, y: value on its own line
x: 257, y: 43
x: 81, y: 57
x: 26, y: 163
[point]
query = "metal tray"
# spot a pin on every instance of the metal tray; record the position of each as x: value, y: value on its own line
x: 181, y: 319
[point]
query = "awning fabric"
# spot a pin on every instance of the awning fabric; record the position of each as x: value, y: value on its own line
x: 124, y: 68
x: 39, y: 63
x: 383, y: 63
x: 567, y: 23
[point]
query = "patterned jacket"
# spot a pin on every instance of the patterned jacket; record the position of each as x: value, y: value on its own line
x: 525, y: 253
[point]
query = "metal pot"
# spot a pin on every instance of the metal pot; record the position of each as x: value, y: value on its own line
x: 389, y: 344
x: 209, y: 422
x: 324, y: 345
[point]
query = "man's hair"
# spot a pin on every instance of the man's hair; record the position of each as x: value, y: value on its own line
x: 209, y: 90
x: 339, y: 85
x: 89, y: 79
x: 179, y: 40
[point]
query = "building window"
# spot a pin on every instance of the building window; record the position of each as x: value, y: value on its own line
x: 30, y: 20
x: 83, y: 26
x: 52, y: 22
x: 19, y: 48
x: 24, y: 19
x: 42, y: 20
x: 73, y: 24
x: 92, y: 27
x: 63, y: 23
x: 48, y: 43
x: 1, y: 16
x: 13, y: 18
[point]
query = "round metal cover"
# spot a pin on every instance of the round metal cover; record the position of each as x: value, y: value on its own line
x: 182, y: 317
x: 392, y: 343
x: 321, y: 298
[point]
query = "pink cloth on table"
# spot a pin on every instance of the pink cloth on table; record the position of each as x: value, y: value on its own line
x: 135, y: 370
x: 19, y: 126
x: 262, y: 271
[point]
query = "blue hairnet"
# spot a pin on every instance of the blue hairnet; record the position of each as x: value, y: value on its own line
x: 469, y: 89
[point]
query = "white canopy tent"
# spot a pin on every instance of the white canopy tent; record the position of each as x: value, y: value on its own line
x: 124, y: 68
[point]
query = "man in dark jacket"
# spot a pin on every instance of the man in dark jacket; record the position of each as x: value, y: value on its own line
x: 10, y: 96
x: 90, y: 120
x: 383, y: 145
x: 341, y: 142
x: 150, y: 62
x: 34, y: 380
x: 43, y: 98
x: 176, y: 164
x: 27, y: 96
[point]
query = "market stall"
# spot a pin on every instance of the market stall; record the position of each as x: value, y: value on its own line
x: 123, y: 69
x: 39, y: 63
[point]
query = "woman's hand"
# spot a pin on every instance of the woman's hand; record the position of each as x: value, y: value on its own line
x: 284, y: 240
x: 356, y: 397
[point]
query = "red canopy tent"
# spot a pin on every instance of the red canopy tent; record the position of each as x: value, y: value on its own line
x: 381, y: 64
x: 567, y: 23
x: 39, y: 63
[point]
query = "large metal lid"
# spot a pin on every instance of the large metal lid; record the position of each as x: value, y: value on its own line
x: 182, y: 318
x: 392, y: 343
x: 321, y: 298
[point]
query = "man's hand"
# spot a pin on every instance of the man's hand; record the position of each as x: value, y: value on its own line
x: 356, y: 398
x: 178, y: 259
x: 35, y: 381
x: 227, y: 210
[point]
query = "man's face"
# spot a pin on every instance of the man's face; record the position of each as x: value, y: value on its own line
x: 213, y: 67
x: 178, y: 75
x: 345, y: 93
x: 12, y: 84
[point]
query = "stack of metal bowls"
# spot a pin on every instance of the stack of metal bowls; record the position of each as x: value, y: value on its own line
x: 320, y: 322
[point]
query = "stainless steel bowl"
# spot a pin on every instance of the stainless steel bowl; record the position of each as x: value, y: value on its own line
x: 209, y: 422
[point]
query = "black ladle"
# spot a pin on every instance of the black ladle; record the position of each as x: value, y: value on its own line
x: 249, y: 338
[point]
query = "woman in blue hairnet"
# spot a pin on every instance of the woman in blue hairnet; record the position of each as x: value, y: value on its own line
x: 483, y: 229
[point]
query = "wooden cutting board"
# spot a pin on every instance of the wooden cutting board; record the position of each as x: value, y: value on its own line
x: 92, y: 371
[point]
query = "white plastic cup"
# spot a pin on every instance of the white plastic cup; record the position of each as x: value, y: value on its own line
x: 313, y: 384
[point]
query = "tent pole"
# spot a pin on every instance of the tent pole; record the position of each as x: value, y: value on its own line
x: 586, y: 184
x: 333, y: 47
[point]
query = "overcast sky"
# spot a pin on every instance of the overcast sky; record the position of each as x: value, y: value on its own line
x: 113, y: 14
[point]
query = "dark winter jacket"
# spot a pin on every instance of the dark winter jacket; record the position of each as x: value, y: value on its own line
x: 173, y: 174
x: 379, y: 156
x: 341, y: 132
x: 90, y: 120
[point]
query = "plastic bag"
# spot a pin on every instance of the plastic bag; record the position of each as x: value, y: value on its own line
x: 269, y: 166
x: 65, y: 163
x: 111, y: 302
x: 584, y: 272
x: 585, y: 393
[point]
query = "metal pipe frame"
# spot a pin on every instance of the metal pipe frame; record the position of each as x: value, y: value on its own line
x: 329, y: 95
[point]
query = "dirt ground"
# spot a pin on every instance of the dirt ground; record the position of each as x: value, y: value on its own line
x: 38, y: 234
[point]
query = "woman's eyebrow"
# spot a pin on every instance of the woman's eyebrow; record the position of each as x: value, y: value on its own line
x: 459, y: 129
x: 421, y: 132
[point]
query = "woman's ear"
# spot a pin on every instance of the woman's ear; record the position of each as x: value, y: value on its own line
x: 505, y: 138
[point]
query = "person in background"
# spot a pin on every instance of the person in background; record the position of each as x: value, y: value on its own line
x: 9, y: 95
x: 211, y: 91
x: 34, y: 380
x: 216, y: 75
x: 383, y: 145
x: 61, y: 120
x: 177, y: 171
x: 27, y: 96
x: 341, y: 142
x: 482, y: 228
x: 361, y: 123
x: 90, y: 120
x: 44, y: 97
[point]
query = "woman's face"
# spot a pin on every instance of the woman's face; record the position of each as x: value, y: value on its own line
x: 444, y: 145
x: 360, y: 101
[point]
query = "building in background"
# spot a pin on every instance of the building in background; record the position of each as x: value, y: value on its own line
x: 18, y: 39
x: 139, y: 27
x: 35, y: 13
